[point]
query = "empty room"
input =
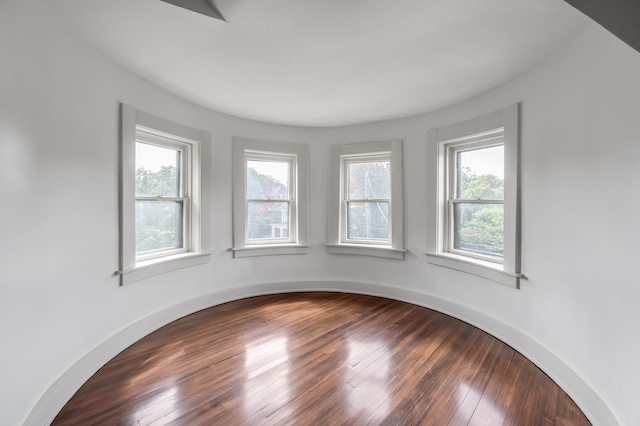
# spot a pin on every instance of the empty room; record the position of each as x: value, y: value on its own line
x: 319, y: 212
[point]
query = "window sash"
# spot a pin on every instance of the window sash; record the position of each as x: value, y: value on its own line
x: 346, y: 200
x: 275, y: 239
x: 451, y: 228
x: 452, y: 151
x: 453, y: 181
x: 369, y: 240
x: 180, y: 230
x: 291, y: 160
x: 184, y: 183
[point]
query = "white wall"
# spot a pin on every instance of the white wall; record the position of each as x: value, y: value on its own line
x: 58, y: 218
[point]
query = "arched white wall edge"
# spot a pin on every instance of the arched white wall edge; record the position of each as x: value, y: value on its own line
x: 52, y: 401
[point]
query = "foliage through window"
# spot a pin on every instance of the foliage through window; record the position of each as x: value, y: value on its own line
x: 476, y: 205
x: 160, y: 199
x: 162, y: 196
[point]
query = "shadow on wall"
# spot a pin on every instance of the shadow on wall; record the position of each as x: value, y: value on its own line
x: 620, y: 17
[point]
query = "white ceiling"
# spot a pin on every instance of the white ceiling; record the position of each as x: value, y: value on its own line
x: 326, y: 62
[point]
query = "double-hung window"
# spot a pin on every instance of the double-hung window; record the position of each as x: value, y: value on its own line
x: 270, y: 198
x: 271, y: 205
x: 474, y: 225
x: 165, y: 196
x: 366, y: 200
x: 475, y: 205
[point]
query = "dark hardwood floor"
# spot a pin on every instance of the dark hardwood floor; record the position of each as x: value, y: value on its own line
x: 319, y: 359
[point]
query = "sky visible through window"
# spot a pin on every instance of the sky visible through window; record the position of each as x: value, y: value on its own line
x: 153, y: 157
x: 273, y: 169
x: 486, y: 161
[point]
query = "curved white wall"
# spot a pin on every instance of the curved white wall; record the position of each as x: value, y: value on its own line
x: 58, y: 246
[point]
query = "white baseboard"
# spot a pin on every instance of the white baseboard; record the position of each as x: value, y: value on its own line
x: 64, y: 388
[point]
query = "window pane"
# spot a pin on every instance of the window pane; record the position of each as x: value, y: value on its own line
x: 158, y: 225
x: 157, y: 171
x: 268, y: 180
x: 479, y: 228
x: 368, y: 181
x: 268, y: 220
x: 368, y: 220
x: 480, y: 173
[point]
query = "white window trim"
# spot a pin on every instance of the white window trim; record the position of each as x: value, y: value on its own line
x: 503, y: 123
x: 336, y: 241
x: 298, y: 242
x: 199, y: 241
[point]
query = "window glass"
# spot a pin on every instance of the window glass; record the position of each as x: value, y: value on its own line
x: 479, y: 228
x: 267, y: 180
x: 368, y: 220
x: 157, y: 171
x: 368, y: 193
x: 159, y: 208
x: 267, y: 219
x: 158, y: 226
x: 480, y: 173
x: 369, y: 180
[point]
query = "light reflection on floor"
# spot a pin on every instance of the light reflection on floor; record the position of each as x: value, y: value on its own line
x: 267, y: 361
x: 370, y: 384
x: 166, y: 402
x: 470, y: 402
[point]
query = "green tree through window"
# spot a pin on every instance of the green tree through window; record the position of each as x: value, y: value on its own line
x: 480, y: 226
x: 158, y: 222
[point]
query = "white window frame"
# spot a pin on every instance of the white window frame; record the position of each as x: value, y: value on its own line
x: 184, y: 146
x: 291, y: 197
x: 297, y: 154
x: 196, y: 145
x: 337, y: 241
x: 443, y: 142
x: 451, y: 152
x: 344, y: 197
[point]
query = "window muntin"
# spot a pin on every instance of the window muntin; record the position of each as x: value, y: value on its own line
x: 162, y: 196
x: 270, y: 198
x: 475, y: 205
x: 366, y: 199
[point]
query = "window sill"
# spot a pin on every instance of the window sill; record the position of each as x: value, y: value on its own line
x: 269, y: 250
x: 149, y: 268
x: 367, y: 250
x: 480, y: 268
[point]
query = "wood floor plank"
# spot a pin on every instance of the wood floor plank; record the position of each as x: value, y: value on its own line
x: 319, y: 358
